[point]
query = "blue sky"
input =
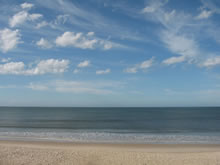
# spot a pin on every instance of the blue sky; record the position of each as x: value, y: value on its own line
x: 110, y: 53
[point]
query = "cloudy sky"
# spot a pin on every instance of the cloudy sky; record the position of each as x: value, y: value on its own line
x: 110, y: 53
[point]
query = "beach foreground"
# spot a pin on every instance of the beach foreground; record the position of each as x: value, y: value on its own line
x: 54, y: 153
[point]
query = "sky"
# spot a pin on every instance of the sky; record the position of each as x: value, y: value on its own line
x: 110, y: 53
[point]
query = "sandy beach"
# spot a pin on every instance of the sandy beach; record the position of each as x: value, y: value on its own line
x: 54, y: 153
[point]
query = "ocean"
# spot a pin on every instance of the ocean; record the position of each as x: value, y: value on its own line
x: 174, y: 125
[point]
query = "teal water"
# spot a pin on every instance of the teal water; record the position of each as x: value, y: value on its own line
x: 135, y: 125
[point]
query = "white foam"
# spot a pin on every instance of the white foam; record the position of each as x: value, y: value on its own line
x: 109, y: 137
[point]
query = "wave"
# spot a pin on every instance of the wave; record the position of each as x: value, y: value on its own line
x: 108, y: 136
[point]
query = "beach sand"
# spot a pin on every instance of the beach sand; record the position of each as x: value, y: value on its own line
x: 55, y: 153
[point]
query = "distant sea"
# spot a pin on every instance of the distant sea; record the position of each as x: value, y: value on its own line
x: 112, y: 125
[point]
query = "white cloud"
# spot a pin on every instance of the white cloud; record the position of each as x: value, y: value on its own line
x: 18, y: 18
x: 81, y: 87
x: 179, y: 44
x: 153, y: 7
x: 84, y: 64
x: 61, y: 19
x: 174, y: 60
x: 87, y: 44
x: 43, y: 67
x: 35, y: 16
x: 76, y: 40
x: 37, y: 87
x: 182, y: 45
x: 209, y: 8
x: 169, y: 16
x: 143, y: 66
x: 68, y: 39
x: 77, y: 87
x: 178, y: 34
x: 211, y: 62
x: 148, y: 9
x: 107, y: 45
x: 55, y: 24
x: 23, y: 16
x: 12, y: 68
x: 76, y: 71
x: 27, y: 5
x: 90, y: 34
x: 131, y: 70
x: 170, y: 20
x: 204, y: 14
x: 9, y: 39
x: 84, y: 41
x: 43, y: 43
x: 103, y: 71
x: 186, y: 47
x: 42, y: 24
x: 49, y: 66
x: 146, y: 64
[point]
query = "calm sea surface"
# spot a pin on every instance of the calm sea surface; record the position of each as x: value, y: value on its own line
x: 123, y: 125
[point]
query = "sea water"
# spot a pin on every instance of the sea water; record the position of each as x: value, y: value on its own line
x: 195, y: 125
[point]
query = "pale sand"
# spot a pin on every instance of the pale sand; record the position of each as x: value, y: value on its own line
x: 54, y: 153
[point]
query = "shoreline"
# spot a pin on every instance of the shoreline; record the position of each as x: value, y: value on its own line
x: 68, y: 153
x: 110, y: 137
x: 101, y: 145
